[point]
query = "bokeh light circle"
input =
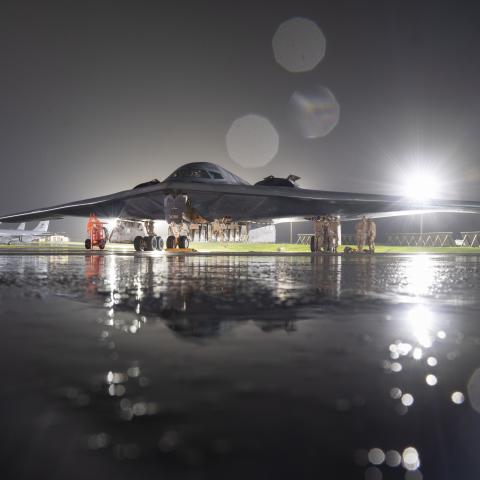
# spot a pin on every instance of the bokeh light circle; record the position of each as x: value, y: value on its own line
x: 298, y: 45
x: 376, y: 456
x: 252, y: 141
x: 473, y: 390
x: 407, y: 399
x: 413, y: 475
x: 410, y: 458
x: 395, y: 393
x: 458, y: 398
x: 315, y: 113
x: 432, y: 361
x: 373, y: 473
x: 393, y: 458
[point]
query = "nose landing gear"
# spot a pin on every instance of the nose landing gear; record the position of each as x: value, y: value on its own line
x: 150, y: 242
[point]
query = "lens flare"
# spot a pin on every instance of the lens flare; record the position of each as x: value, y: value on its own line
x: 252, y: 141
x: 314, y: 113
x: 298, y: 45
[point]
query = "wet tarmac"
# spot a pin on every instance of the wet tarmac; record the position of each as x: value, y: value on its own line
x: 198, y: 367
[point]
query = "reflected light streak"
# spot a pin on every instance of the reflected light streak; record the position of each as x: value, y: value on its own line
x: 420, y: 319
x: 420, y: 275
x: 111, y: 277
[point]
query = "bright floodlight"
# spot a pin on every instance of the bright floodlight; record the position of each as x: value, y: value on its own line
x: 111, y: 224
x: 422, y: 186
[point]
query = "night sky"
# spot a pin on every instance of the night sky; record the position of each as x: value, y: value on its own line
x: 96, y: 97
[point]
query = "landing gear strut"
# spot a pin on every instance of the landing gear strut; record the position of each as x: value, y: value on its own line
x: 150, y: 242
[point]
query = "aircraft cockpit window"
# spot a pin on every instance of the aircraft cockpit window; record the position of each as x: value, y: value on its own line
x: 190, y: 172
x: 197, y: 173
x: 216, y: 175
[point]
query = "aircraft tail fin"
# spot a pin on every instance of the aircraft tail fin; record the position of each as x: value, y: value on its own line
x: 21, y: 226
x: 42, y: 227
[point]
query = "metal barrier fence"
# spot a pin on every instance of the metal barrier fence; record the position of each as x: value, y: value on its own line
x: 470, y: 239
x: 428, y: 239
x: 304, y: 238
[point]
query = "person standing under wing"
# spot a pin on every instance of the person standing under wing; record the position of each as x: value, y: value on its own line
x: 319, y: 234
x: 334, y: 225
x: 371, y: 234
x: 360, y: 230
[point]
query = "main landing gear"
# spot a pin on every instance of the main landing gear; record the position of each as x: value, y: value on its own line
x: 149, y: 243
x: 152, y: 243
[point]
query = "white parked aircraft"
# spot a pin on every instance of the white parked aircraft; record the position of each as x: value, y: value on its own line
x: 22, y: 235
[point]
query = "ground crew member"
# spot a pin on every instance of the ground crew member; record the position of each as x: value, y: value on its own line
x: 371, y: 234
x: 216, y: 230
x: 360, y: 231
x: 319, y: 234
x: 334, y: 224
x: 328, y: 235
x: 194, y: 227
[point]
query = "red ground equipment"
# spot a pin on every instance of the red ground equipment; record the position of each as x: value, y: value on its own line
x: 97, y: 233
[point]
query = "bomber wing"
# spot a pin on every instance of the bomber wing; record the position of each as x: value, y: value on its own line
x: 243, y: 202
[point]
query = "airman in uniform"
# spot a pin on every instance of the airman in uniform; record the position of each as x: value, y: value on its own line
x: 360, y: 232
x: 371, y: 234
x: 218, y: 230
x: 194, y: 227
x: 319, y: 234
x: 328, y: 235
x: 334, y: 224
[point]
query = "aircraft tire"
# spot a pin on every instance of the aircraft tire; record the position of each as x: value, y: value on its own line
x: 313, y: 243
x: 153, y: 243
x: 171, y: 241
x: 138, y: 243
x: 101, y: 244
x: 88, y: 244
x: 150, y: 243
x: 159, y: 243
x: 183, y: 242
x: 145, y: 244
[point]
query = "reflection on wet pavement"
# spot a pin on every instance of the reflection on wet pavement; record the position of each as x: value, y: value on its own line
x: 235, y: 367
